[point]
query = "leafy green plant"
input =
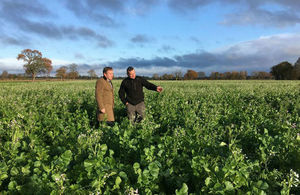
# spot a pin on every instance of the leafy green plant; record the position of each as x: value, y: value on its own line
x: 198, y: 137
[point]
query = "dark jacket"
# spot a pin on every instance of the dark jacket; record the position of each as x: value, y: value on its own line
x: 133, y: 88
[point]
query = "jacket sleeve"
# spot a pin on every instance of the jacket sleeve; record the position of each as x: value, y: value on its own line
x: 122, y: 93
x: 99, y: 94
x: 148, y: 85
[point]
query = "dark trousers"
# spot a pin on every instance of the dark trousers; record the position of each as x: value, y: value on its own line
x: 136, y: 113
x: 109, y: 123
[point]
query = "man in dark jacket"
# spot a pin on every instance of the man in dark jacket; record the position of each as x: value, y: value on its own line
x: 132, y: 95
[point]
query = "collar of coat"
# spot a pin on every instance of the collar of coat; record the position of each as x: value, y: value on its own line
x: 109, y: 81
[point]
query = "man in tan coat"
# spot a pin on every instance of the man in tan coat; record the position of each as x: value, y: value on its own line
x: 105, y: 97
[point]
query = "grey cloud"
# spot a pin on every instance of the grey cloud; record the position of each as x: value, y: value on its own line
x: 202, y: 59
x: 104, y: 42
x: 98, y: 11
x: 74, y: 33
x: 81, y: 6
x: 186, y: 5
x: 253, y: 55
x: 50, y: 30
x: 106, y: 12
x: 141, y: 7
x: 113, y: 5
x: 43, y: 29
x: 195, y: 39
x: 195, y: 4
x: 166, y: 49
x: 291, y: 4
x: 18, y: 13
x: 141, y: 62
x: 15, y: 41
x: 141, y: 39
x: 266, y: 18
x: 105, y: 20
x: 251, y: 12
x: 13, y: 10
x: 79, y: 56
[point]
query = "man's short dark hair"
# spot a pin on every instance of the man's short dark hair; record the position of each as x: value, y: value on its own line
x: 106, y: 69
x: 130, y: 68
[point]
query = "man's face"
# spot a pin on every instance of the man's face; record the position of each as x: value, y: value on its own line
x: 109, y: 74
x: 131, y: 74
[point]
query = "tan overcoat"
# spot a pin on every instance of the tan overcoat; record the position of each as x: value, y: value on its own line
x: 105, y: 99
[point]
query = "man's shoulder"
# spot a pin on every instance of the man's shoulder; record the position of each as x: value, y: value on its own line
x: 139, y: 78
x: 125, y: 80
x: 100, y: 80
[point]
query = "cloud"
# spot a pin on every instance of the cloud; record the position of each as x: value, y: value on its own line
x: 268, y: 13
x: 109, y: 13
x: 186, y: 5
x: 121, y: 71
x: 14, y: 10
x: 11, y: 65
x: 141, y: 62
x: 166, y: 49
x: 141, y: 39
x: 50, y: 30
x: 141, y: 7
x: 195, y: 39
x: 79, y: 56
x: 98, y: 11
x: 15, y: 41
x: 253, y: 55
x: 19, y: 13
x: 60, y: 62
x: 266, y: 18
x: 87, y: 33
x: 149, y: 71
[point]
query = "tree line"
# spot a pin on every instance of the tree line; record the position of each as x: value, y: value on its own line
x: 193, y: 75
x: 36, y: 64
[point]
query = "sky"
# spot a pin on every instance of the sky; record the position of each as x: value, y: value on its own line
x: 155, y: 37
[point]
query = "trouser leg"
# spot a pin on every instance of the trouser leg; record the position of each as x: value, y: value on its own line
x: 130, y: 111
x: 110, y: 123
x: 140, y: 108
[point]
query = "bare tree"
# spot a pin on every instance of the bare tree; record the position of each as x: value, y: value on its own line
x: 62, y: 72
x: 73, y: 73
x: 92, y: 74
x: 4, y: 75
x: 178, y: 75
x: 201, y: 75
x: 155, y: 76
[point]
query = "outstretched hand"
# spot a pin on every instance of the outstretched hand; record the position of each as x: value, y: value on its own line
x: 159, y: 89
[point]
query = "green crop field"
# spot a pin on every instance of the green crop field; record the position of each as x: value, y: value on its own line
x: 199, y: 137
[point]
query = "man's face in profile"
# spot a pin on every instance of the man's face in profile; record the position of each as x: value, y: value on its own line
x: 109, y: 74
